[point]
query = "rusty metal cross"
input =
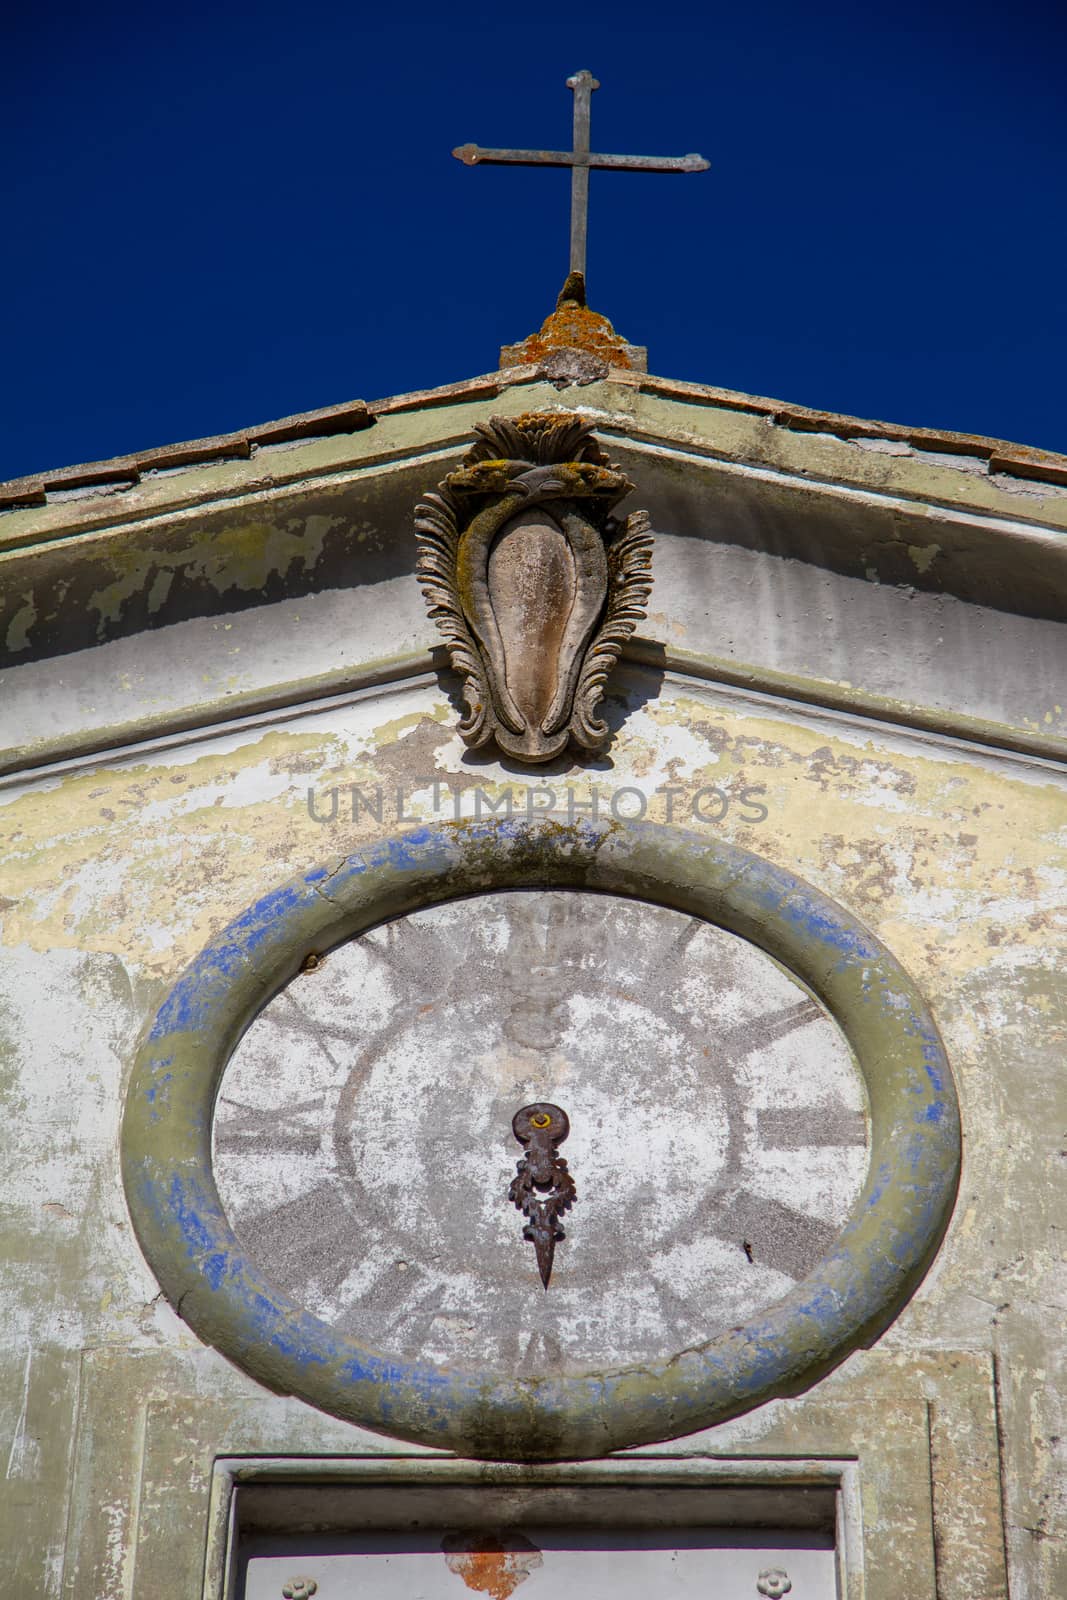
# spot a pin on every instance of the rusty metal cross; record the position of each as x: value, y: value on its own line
x: 580, y: 160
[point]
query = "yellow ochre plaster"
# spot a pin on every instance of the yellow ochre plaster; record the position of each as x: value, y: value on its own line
x: 948, y: 860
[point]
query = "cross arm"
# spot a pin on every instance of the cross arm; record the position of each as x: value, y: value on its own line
x: 473, y: 155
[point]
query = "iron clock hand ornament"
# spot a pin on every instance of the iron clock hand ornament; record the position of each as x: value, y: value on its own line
x: 542, y: 1189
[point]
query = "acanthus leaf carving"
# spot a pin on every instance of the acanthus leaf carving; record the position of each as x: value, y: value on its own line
x: 532, y: 582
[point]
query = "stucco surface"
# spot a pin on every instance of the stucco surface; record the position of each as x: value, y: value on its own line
x: 116, y: 875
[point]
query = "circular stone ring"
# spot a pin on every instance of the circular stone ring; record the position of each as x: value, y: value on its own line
x: 848, y: 1297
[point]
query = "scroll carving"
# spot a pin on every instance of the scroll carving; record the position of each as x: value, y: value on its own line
x: 533, y: 583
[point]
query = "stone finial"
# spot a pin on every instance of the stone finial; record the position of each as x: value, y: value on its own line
x: 575, y: 339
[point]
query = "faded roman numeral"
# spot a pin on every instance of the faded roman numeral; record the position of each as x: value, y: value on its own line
x: 759, y: 1032
x: 283, y: 1131
x: 789, y: 1241
x: 797, y: 1127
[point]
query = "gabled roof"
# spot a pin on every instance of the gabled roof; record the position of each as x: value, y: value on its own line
x: 117, y: 473
x: 906, y: 574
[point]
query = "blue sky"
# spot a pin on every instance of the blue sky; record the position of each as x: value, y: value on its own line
x: 221, y: 216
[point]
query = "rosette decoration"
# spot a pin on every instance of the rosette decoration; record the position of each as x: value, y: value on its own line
x: 533, y: 583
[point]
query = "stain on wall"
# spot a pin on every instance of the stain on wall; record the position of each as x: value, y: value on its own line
x: 491, y: 1564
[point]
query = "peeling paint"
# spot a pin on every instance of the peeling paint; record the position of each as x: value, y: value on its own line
x: 247, y: 553
x: 924, y: 555
x: 18, y: 630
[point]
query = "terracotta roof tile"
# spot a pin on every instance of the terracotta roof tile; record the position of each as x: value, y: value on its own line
x: 1000, y: 455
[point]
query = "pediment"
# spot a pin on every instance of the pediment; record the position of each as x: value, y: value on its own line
x: 800, y: 555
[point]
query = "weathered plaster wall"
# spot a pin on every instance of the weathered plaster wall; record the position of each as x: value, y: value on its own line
x: 115, y: 874
x: 825, y: 566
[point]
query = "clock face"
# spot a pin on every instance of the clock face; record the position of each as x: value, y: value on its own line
x: 363, y: 1147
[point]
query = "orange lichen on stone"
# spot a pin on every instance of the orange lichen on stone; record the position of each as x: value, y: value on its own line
x: 576, y: 327
x: 573, y: 326
x: 490, y: 1565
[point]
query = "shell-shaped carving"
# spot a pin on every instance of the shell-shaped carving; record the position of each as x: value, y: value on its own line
x: 531, y: 582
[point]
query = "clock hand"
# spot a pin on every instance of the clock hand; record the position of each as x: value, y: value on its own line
x: 542, y: 1188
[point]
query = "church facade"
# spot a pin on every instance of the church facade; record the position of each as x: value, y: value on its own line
x: 504, y: 1094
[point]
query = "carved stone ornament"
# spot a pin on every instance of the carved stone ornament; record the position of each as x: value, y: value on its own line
x: 533, y: 583
x: 773, y: 1582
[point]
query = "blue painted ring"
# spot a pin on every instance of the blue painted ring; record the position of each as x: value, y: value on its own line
x: 846, y: 1300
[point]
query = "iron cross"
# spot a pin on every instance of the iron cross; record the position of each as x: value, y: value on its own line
x: 580, y: 159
